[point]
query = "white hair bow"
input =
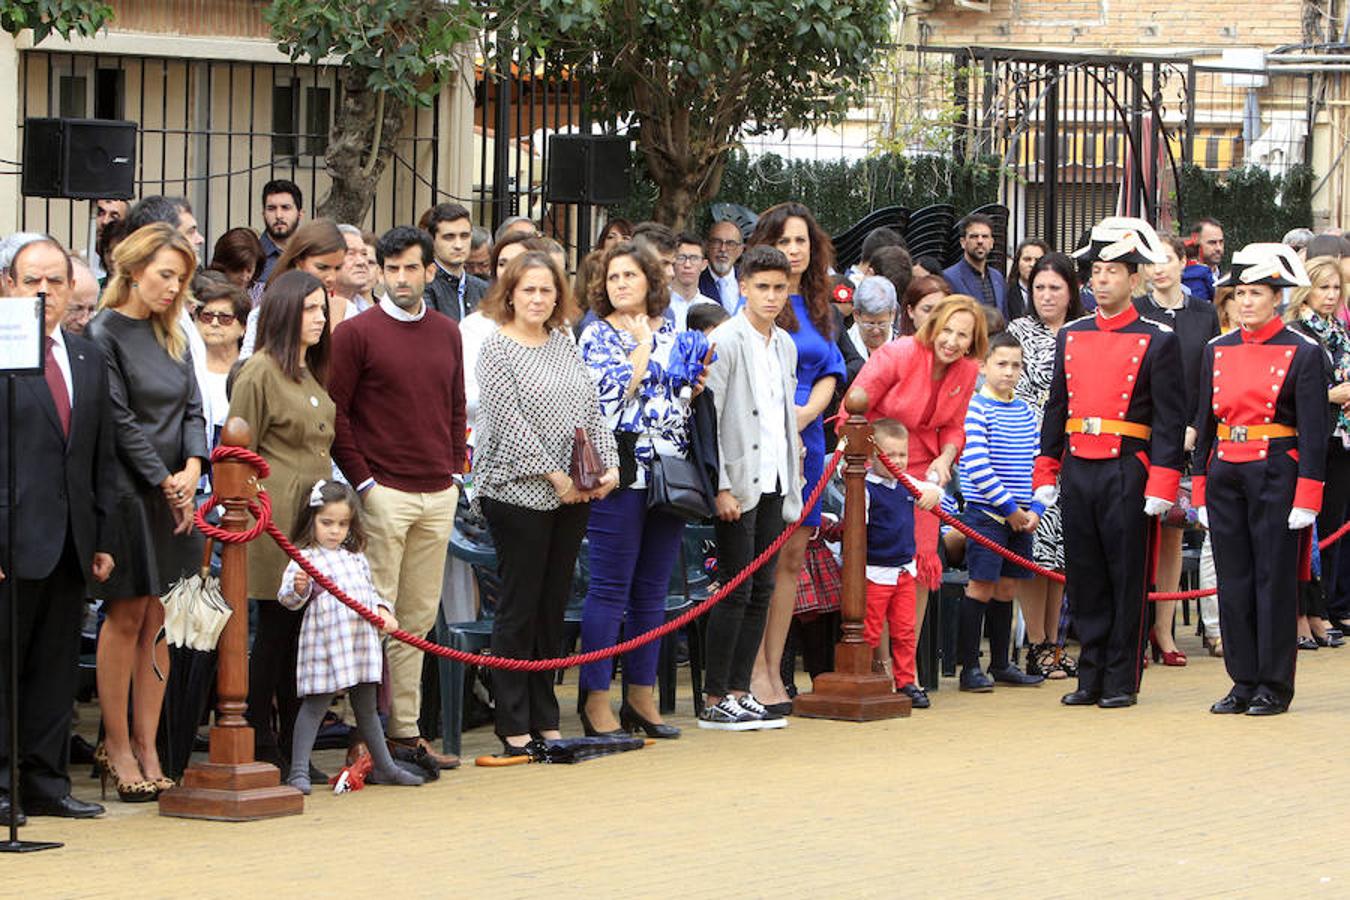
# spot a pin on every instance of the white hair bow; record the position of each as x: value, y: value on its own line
x: 316, y: 493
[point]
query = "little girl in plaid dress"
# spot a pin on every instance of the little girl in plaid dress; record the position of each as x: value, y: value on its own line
x: 338, y: 649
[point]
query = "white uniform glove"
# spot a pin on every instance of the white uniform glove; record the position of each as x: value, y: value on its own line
x: 1203, y: 515
x: 1300, y: 518
x: 1156, y: 506
x: 1047, y: 494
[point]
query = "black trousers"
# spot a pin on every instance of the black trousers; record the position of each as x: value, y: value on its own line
x: 536, y: 556
x: 49, y: 655
x: 1105, y: 556
x: 1256, y: 565
x: 1335, y: 506
x: 736, y: 625
x: 271, y: 680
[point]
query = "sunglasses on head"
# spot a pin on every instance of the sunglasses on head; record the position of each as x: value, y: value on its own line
x: 220, y: 318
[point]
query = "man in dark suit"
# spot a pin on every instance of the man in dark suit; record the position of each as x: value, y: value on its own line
x: 972, y: 273
x: 64, y: 459
x: 453, y: 291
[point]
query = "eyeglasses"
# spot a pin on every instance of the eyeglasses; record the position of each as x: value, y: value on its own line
x: 715, y: 244
x: 874, y: 326
x: 686, y: 259
x: 220, y: 318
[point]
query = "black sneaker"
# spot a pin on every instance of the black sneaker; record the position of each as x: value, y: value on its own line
x: 767, y: 719
x: 1010, y: 674
x: 727, y: 715
x: 974, y: 680
x: 917, y: 698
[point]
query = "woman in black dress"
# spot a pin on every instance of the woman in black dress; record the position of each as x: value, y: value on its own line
x: 161, y: 448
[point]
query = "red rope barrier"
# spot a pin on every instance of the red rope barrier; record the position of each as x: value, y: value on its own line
x: 1007, y: 554
x: 264, y: 514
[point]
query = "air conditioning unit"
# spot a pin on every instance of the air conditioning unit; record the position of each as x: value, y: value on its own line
x: 975, y: 5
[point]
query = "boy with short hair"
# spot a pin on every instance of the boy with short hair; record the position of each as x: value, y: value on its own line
x: 890, y: 556
x: 1002, y: 440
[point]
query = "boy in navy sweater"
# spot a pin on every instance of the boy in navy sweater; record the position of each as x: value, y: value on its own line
x: 890, y: 556
x: 1002, y: 440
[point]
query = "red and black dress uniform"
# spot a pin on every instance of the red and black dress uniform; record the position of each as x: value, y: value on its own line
x: 1259, y: 454
x: 1113, y: 434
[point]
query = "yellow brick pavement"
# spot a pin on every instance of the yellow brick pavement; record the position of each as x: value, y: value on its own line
x: 1006, y: 794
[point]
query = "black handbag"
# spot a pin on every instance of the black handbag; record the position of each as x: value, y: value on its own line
x: 675, y: 486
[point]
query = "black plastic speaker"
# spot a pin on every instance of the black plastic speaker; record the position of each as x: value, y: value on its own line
x: 81, y: 159
x: 588, y: 168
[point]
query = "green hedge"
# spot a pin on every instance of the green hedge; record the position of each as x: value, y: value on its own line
x: 839, y: 192
x: 1252, y: 204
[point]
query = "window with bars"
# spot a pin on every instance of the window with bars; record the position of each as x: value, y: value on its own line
x: 302, y: 116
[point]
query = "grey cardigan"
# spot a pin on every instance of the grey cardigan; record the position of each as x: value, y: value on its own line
x: 731, y: 378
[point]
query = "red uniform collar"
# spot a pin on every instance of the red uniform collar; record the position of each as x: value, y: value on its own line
x: 1118, y: 321
x: 1264, y: 333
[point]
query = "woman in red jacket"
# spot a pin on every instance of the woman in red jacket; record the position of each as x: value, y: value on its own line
x: 925, y: 382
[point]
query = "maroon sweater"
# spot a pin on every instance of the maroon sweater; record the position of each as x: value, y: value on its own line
x: 399, y: 390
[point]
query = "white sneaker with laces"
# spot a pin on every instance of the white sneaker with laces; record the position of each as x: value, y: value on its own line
x: 728, y: 715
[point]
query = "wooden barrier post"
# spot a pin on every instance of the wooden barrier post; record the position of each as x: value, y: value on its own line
x: 231, y: 785
x: 853, y: 691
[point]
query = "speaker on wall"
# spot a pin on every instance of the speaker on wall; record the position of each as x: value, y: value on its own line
x: 588, y: 168
x: 80, y: 159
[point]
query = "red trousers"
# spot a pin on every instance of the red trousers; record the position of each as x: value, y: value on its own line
x: 893, y: 604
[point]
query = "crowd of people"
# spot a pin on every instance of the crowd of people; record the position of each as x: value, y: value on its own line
x: 400, y: 383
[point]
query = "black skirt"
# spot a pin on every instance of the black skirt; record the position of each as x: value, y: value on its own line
x: 148, y: 556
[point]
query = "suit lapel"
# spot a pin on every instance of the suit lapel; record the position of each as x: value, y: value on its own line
x: 83, y: 377
x: 42, y: 395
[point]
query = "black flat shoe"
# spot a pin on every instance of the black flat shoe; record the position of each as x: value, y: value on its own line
x: 1015, y: 676
x: 632, y: 723
x: 590, y: 731
x: 1080, y: 697
x: 780, y: 709
x: 918, y: 699
x: 975, y: 681
x: 6, y: 811
x: 1331, y: 640
x: 66, y: 807
x: 1265, y: 706
x: 1117, y: 701
x: 1307, y: 643
x: 1231, y: 705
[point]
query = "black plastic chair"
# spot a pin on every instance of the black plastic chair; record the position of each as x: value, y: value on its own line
x: 929, y: 232
x: 848, y: 244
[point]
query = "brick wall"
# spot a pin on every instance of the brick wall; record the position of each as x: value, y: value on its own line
x: 1117, y: 25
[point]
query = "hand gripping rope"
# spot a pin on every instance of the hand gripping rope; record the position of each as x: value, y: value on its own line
x: 1004, y: 552
x: 262, y: 511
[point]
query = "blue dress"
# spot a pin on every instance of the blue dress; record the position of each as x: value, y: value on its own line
x: 817, y: 358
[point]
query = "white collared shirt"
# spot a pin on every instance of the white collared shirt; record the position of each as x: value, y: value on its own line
x: 770, y: 399
x: 891, y: 574
x: 62, y: 356
x: 399, y: 313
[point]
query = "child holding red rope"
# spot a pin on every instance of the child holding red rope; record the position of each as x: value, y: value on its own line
x: 338, y: 649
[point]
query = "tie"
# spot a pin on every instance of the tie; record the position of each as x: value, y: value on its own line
x: 56, y: 382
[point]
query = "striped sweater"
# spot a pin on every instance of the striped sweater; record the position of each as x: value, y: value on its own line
x: 1002, y: 440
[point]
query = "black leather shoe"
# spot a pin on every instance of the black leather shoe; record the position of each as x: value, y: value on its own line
x: 918, y: 698
x: 5, y: 812
x: 82, y: 752
x: 1015, y: 676
x: 1231, y: 705
x: 974, y: 680
x: 1261, y: 705
x: 591, y: 731
x: 1117, y: 701
x: 631, y: 722
x: 1080, y: 697
x: 66, y: 807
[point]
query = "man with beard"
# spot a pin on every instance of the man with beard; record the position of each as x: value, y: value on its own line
x: 718, y: 281
x: 283, y: 208
x: 453, y: 291
x: 1206, y: 246
x: 971, y: 274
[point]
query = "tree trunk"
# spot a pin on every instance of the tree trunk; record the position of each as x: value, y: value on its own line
x: 354, y: 173
x: 682, y: 184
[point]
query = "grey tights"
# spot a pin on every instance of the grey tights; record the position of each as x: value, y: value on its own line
x: 310, y: 717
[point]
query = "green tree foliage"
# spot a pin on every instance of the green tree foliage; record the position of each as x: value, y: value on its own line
x: 696, y: 74
x: 59, y: 17
x: 1252, y: 204
x: 394, y: 55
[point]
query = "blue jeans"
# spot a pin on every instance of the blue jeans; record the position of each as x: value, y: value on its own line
x: 632, y: 554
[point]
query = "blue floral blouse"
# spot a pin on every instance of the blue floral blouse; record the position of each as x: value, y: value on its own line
x: 656, y: 413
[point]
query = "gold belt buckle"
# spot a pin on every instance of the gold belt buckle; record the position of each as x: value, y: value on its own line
x: 1092, y: 425
x: 1238, y: 434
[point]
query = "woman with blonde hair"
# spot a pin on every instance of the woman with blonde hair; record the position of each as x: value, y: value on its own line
x: 925, y: 383
x: 161, y: 448
x: 1316, y: 312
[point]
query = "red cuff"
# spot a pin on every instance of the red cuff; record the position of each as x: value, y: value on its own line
x: 1162, y: 483
x: 1308, y: 494
x: 1197, y: 491
x: 1046, y: 472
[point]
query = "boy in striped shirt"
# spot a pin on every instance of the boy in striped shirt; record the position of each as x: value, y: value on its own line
x: 1002, y: 440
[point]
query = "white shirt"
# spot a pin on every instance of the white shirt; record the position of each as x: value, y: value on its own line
x: 729, y: 287
x: 679, y: 307
x: 773, y: 439
x: 474, y: 329
x: 397, y: 312
x: 890, y: 574
x: 62, y: 357
x: 855, y: 336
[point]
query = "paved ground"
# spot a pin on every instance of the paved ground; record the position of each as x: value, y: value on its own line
x: 1006, y: 794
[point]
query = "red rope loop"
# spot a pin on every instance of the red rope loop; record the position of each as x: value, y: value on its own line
x: 565, y: 662
x: 261, y: 509
x: 243, y: 454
